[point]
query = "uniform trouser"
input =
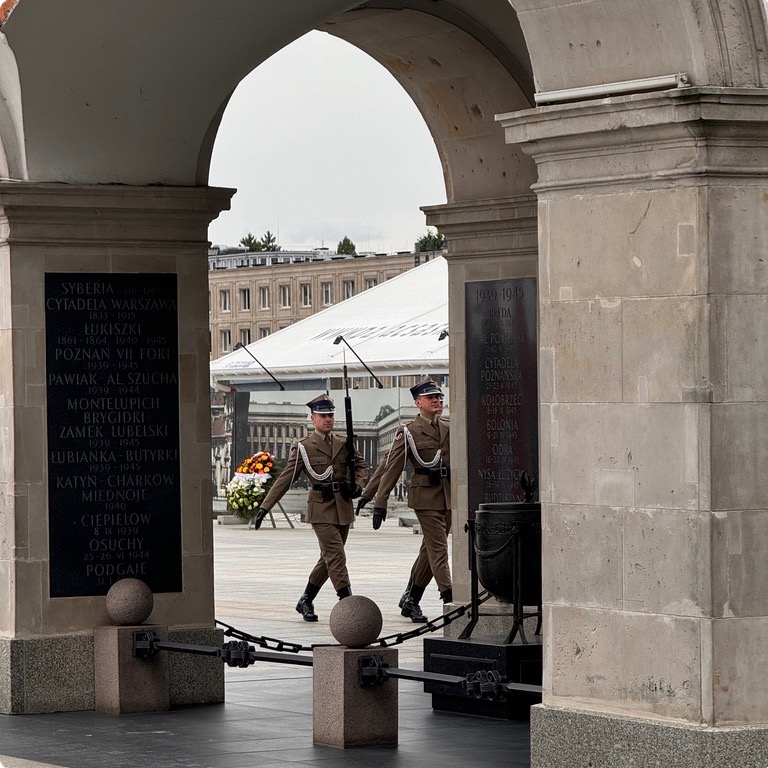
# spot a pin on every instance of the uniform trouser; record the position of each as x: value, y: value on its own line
x: 435, y: 526
x: 333, y: 558
x: 421, y: 573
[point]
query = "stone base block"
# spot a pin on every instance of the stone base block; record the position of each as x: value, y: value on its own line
x: 46, y: 674
x: 196, y: 679
x: 230, y: 520
x: 124, y: 683
x: 346, y: 714
x: 56, y: 674
x: 563, y: 738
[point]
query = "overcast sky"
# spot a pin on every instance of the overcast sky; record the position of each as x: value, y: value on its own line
x: 322, y: 142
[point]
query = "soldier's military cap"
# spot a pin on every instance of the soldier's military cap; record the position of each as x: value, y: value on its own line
x: 426, y: 387
x: 321, y: 404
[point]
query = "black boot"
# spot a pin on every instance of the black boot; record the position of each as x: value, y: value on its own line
x: 410, y: 607
x: 344, y: 592
x: 306, y: 609
x: 406, y: 593
x: 447, y: 595
x: 304, y: 606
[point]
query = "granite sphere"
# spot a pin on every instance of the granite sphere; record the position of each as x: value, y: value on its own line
x: 129, y: 601
x: 355, y: 621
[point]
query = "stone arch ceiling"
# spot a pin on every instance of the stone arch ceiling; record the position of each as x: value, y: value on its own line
x: 131, y: 91
x: 459, y: 86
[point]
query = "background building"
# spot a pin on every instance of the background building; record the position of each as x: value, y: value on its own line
x: 254, y: 294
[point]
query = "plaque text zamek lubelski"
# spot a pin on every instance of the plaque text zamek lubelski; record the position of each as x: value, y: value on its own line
x: 112, y: 377
x: 502, y: 391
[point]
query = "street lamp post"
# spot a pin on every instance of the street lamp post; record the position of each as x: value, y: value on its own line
x: 339, y: 339
x: 240, y: 345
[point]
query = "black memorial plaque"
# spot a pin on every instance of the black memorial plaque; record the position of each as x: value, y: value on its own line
x: 502, y: 392
x: 112, y: 375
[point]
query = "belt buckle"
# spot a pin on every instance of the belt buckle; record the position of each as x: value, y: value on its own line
x: 443, y: 471
x: 335, y: 486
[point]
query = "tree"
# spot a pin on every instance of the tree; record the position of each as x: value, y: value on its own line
x: 250, y: 242
x: 346, y: 247
x: 432, y: 241
x: 269, y: 242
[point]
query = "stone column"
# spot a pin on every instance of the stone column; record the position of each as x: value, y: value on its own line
x: 99, y: 235
x: 653, y: 281
x: 487, y: 240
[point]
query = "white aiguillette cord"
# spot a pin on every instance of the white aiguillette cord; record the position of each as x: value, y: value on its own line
x: 308, y: 467
x: 412, y: 445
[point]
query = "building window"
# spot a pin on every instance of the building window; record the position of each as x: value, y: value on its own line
x: 306, y: 295
x: 263, y: 333
x: 285, y: 296
x: 370, y: 283
x: 349, y: 289
x: 224, y: 301
x: 245, y: 336
x: 327, y: 294
x: 226, y: 340
x: 245, y: 299
x: 264, y: 297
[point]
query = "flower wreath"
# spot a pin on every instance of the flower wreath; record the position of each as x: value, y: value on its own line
x: 251, y: 483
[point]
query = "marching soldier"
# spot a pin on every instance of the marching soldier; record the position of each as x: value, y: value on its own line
x: 425, y: 443
x: 421, y: 573
x: 324, y: 458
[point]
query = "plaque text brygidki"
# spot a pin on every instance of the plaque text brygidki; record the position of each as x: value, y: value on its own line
x: 112, y: 379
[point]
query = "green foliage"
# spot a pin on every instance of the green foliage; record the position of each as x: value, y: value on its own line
x: 268, y: 242
x: 346, y: 247
x: 432, y: 241
x: 250, y: 242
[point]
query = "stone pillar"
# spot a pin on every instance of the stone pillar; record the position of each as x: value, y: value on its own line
x: 99, y: 235
x: 487, y: 240
x: 653, y: 281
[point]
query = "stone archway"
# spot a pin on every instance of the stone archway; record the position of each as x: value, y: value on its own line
x: 646, y: 213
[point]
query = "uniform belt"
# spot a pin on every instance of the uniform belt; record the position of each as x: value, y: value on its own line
x: 334, y: 486
x: 444, y: 471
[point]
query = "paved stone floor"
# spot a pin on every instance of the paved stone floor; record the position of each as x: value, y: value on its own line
x: 266, y: 721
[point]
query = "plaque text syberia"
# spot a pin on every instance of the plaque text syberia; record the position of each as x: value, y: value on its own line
x: 112, y: 377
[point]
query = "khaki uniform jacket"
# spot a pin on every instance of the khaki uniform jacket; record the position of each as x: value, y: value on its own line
x: 428, y: 439
x: 337, y: 510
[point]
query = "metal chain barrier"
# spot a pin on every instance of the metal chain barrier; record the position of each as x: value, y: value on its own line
x: 274, y: 644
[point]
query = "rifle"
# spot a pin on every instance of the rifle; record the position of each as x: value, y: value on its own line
x: 350, y: 438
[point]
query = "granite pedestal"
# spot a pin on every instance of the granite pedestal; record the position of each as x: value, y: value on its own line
x: 124, y: 683
x: 345, y: 713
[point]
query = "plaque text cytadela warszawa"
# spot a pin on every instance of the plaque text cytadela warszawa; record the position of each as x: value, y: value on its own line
x: 112, y: 379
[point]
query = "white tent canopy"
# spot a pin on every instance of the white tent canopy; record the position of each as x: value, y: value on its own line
x: 394, y: 328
